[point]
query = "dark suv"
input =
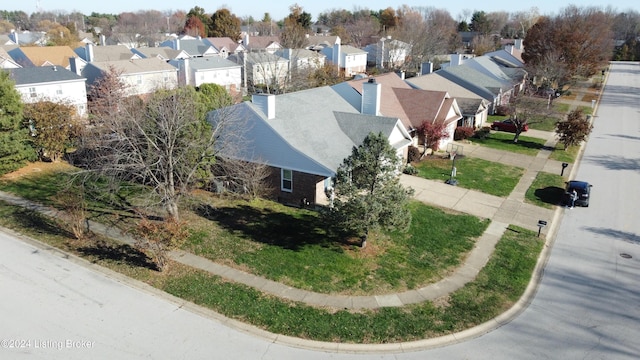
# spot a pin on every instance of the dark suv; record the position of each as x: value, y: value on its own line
x: 583, y: 189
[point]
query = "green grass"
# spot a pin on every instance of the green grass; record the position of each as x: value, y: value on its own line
x: 293, y: 246
x: 546, y: 190
x: 560, y: 154
x: 498, y: 285
x: 473, y: 173
x: 504, y: 141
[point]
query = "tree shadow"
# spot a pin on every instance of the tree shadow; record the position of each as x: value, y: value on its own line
x: 616, y: 234
x: 34, y: 220
x: 272, y: 227
x: 550, y: 195
x: 615, y: 162
x: 522, y: 143
x: 120, y: 253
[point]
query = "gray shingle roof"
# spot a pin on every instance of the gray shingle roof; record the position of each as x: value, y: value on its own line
x: 42, y: 74
x: 211, y: 62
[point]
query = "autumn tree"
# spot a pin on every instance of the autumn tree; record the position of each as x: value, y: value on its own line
x: 53, y: 126
x: 105, y: 94
x: 61, y: 36
x: 15, y: 150
x: 580, y: 38
x: 225, y: 24
x: 388, y: 19
x: 296, y: 25
x: 194, y: 27
x: 368, y: 193
x: 574, y: 130
x: 432, y: 133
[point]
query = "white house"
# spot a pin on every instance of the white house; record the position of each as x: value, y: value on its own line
x: 349, y: 59
x: 140, y: 76
x: 52, y: 83
x: 387, y: 53
x: 212, y: 70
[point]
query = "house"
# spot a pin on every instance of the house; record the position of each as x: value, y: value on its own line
x: 164, y: 53
x: 225, y: 46
x: 473, y: 107
x: 212, y: 69
x: 30, y: 56
x: 140, y: 76
x: 261, y: 43
x: 496, y: 91
x: 302, y: 59
x: 37, y: 38
x: 349, y: 59
x: 303, y: 137
x: 387, y: 53
x: 412, y: 106
x: 52, y: 83
x: 489, y: 66
x: 193, y: 47
x: 6, y: 61
x: 264, y: 68
x: 92, y: 53
x: 6, y: 40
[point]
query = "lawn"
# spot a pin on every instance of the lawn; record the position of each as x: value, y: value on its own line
x: 504, y: 141
x: 546, y: 190
x: 498, y: 285
x: 297, y: 248
x: 560, y: 154
x: 473, y: 173
x: 294, y: 246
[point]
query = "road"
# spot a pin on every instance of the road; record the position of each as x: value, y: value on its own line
x: 587, y: 305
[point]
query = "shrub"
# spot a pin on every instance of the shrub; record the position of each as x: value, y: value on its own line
x: 463, y: 132
x: 482, y: 133
x: 410, y: 170
x: 413, y: 154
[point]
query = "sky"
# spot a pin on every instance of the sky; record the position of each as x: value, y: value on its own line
x: 257, y: 8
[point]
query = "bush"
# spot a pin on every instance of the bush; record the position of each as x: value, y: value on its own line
x: 502, y: 110
x: 410, y: 170
x: 463, y: 132
x: 413, y: 154
x: 482, y: 133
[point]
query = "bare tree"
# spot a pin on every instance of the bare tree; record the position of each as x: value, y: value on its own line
x: 162, y: 143
x: 527, y: 108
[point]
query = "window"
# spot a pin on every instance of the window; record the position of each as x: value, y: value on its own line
x: 32, y: 92
x: 59, y: 90
x: 287, y: 180
x: 139, y: 79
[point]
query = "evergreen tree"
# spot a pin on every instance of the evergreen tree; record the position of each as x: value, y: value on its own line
x: 368, y: 193
x: 15, y: 150
x: 224, y: 23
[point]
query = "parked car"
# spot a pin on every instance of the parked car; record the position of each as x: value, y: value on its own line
x: 582, y: 188
x: 507, y: 125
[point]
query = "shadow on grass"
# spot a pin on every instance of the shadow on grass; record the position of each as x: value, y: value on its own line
x: 274, y: 228
x: 35, y: 221
x: 521, y: 143
x: 550, y: 195
x: 120, y: 253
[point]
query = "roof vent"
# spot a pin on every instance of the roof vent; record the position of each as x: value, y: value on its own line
x: 55, y: 68
x: 372, y: 81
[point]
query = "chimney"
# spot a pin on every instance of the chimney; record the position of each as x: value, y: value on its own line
x: 176, y: 44
x: 426, y: 68
x: 371, y: 93
x: 245, y: 41
x: 103, y: 40
x: 185, y: 69
x: 73, y: 66
x: 287, y: 53
x: 402, y: 74
x: 456, y: 59
x: 89, y: 52
x: 335, y: 56
x: 266, y: 103
x: 519, y: 45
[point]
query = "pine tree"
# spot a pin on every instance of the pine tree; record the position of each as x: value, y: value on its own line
x: 15, y: 149
x: 368, y: 193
